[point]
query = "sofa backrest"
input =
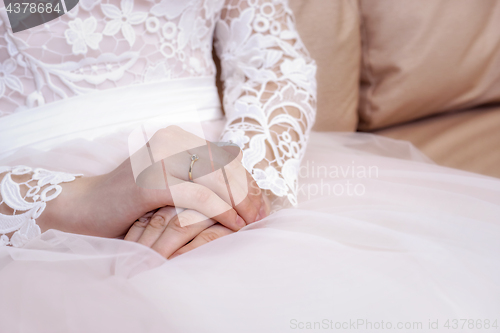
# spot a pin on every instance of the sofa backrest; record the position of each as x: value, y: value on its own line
x: 426, y: 57
x: 330, y: 31
x: 386, y: 62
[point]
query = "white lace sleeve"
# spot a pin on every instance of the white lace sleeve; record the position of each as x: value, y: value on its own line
x: 42, y: 186
x: 269, y: 91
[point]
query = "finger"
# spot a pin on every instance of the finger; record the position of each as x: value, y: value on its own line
x: 255, y: 197
x: 250, y: 207
x: 202, y: 199
x: 210, y: 169
x: 180, y: 230
x: 144, y: 219
x: 136, y: 230
x: 226, y: 185
x: 214, y: 232
x: 149, y: 214
x: 230, y: 181
x: 180, y: 193
x: 157, y: 225
x: 150, y: 146
x: 235, y: 171
x: 206, y: 170
x: 233, y: 166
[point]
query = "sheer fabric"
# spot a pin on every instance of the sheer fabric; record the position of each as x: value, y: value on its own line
x: 104, y: 44
x: 419, y: 244
x: 380, y: 233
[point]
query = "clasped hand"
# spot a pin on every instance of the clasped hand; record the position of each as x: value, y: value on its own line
x: 172, y: 214
x: 221, y: 197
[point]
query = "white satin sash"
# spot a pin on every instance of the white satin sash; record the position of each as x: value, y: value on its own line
x: 95, y: 114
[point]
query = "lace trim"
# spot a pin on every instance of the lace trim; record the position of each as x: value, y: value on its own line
x: 32, y: 204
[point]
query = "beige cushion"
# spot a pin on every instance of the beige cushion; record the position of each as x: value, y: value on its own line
x: 330, y: 31
x: 426, y: 57
x: 468, y: 140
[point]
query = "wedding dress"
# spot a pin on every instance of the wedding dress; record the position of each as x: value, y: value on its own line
x: 379, y: 234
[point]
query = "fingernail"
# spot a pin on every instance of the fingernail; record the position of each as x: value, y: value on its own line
x: 240, y: 222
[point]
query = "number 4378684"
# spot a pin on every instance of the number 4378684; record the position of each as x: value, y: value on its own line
x: 471, y: 324
x: 32, y: 8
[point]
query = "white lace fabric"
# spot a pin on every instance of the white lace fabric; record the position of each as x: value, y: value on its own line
x: 42, y: 187
x: 269, y: 78
x: 270, y: 92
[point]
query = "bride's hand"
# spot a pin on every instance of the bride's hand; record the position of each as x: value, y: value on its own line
x: 104, y: 205
x: 172, y: 234
x: 220, y: 184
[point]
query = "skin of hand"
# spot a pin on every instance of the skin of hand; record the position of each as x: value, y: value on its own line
x: 164, y: 161
x: 107, y: 205
x: 171, y: 234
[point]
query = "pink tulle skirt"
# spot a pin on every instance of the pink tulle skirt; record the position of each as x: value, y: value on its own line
x: 382, y: 238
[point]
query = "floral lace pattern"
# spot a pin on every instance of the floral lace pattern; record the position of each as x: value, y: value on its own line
x: 43, y: 186
x: 269, y: 78
x: 270, y: 91
x: 103, y: 44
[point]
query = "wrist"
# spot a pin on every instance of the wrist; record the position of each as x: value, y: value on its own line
x: 65, y: 212
x: 26, y: 205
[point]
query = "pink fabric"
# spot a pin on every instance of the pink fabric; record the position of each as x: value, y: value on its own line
x: 420, y: 235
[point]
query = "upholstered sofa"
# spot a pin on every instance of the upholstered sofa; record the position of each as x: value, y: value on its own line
x: 426, y: 71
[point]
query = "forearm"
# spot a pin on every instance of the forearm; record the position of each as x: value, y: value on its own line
x: 270, y: 101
